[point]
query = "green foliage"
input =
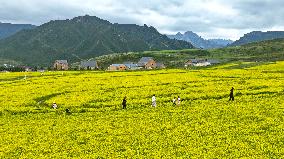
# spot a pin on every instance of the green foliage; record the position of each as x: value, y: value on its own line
x: 271, y: 50
x: 12, y: 69
x: 11, y: 62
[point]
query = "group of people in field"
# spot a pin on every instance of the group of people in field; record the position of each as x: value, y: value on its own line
x: 54, y: 106
x: 176, y: 101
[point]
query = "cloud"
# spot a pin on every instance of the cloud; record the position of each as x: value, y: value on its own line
x: 209, y: 18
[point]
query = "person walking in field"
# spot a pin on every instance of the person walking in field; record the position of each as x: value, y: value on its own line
x: 178, y: 101
x: 232, y: 94
x: 54, y: 105
x: 68, y: 111
x: 154, y: 104
x: 174, y: 101
x: 124, y: 103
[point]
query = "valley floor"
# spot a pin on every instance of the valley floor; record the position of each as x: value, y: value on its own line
x: 205, y: 125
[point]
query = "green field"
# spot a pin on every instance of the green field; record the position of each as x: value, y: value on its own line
x: 205, y: 125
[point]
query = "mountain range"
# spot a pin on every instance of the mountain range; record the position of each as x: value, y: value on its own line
x: 87, y: 37
x: 199, y: 42
x: 7, y: 29
x: 257, y: 36
x: 82, y: 37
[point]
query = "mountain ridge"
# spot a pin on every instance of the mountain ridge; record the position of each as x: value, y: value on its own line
x: 83, y: 37
x: 257, y: 36
x: 199, y: 42
x: 9, y: 29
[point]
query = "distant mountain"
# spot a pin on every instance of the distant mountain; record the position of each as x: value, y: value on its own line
x: 83, y: 37
x: 199, y: 42
x: 257, y: 36
x: 220, y: 42
x: 7, y: 29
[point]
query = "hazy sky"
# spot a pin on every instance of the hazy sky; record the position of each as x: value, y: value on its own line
x: 209, y: 18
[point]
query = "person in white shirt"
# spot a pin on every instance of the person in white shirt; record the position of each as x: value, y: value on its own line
x: 154, y: 104
x: 174, y: 101
x: 178, y: 101
x: 54, y: 105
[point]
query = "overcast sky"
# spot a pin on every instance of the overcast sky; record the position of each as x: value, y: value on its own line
x: 228, y: 19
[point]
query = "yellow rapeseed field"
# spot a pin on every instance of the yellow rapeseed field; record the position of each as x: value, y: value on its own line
x: 205, y: 125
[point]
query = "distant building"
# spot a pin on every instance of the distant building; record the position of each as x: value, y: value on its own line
x: 25, y: 68
x: 160, y: 66
x: 8, y: 66
x: 117, y: 67
x: 41, y: 70
x: 132, y: 66
x: 147, y: 63
x: 89, y: 65
x: 28, y: 69
x: 213, y: 62
x: 203, y: 63
x: 200, y: 62
x: 61, y: 65
x: 190, y: 62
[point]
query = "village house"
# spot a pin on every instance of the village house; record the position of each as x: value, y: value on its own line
x: 144, y: 63
x: 147, y: 63
x: 190, y: 62
x: 89, y: 65
x: 132, y: 66
x: 197, y: 62
x: 61, y: 65
x: 41, y: 70
x: 28, y: 69
x: 8, y: 66
x: 117, y: 67
x: 213, y: 62
x: 160, y: 65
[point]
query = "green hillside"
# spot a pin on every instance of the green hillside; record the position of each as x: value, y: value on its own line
x: 82, y: 37
x: 271, y: 50
x: 265, y: 51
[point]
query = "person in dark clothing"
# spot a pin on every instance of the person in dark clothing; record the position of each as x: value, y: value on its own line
x: 232, y: 94
x: 124, y: 103
x: 67, y: 111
